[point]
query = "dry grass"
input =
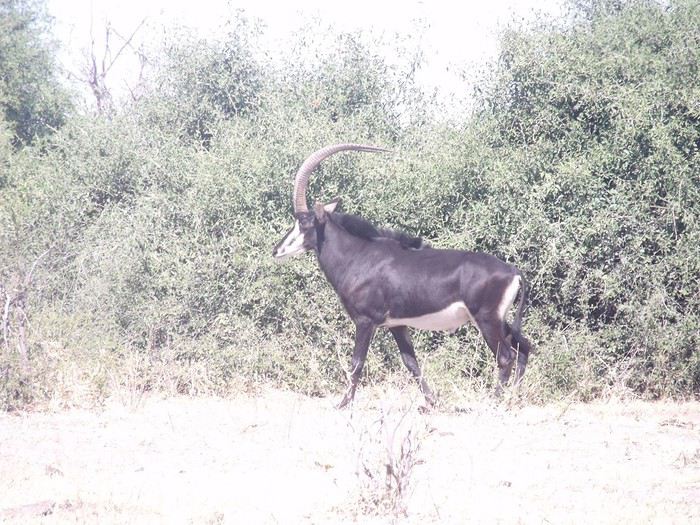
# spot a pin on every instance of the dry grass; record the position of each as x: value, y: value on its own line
x: 278, y: 457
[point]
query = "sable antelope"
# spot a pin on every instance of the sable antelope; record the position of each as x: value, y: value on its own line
x: 390, y: 279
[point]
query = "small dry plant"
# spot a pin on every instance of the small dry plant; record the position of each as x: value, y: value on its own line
x: 388, y: 451
x: 130, y: 385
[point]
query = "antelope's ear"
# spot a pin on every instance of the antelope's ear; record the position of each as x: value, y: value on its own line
x: 332, y: 205
x: 321, y: 210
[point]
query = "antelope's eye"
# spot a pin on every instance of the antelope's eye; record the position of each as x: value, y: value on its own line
x: 306, y: 222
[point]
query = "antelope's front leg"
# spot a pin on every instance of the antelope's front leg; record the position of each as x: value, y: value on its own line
x: 363, y: 337
x: 408, y: 356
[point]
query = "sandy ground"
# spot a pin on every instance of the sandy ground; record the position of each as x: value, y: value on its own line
x: 279, y: 457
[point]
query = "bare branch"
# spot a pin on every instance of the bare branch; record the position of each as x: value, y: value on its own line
x: 28, y: 277
x: 103, y: 71
x: 126, y: 44
x: 6, y: 318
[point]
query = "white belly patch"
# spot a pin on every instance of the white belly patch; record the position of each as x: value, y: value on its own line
x: 449, y: 318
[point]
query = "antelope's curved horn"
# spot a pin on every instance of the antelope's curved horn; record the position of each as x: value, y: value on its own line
x: 301, y: 181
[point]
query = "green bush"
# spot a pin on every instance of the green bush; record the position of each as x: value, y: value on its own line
x: 32, y: 102
x: 150, y: 233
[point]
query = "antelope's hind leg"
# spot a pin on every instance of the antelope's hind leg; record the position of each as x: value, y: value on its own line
x: 522, y: 347
x: 493, y: 331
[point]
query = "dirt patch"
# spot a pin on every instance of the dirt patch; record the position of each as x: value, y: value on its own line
x: 284, y: 458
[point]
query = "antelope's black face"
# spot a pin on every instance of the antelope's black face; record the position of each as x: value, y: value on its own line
x: 301, y: 238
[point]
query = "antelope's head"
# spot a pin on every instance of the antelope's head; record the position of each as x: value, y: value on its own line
x: 302, y: 237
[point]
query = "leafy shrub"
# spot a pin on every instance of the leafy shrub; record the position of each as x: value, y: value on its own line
x: 579, y: 165
x: 32, y: 102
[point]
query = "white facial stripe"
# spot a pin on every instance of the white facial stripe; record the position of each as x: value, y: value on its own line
x: 293, y: 243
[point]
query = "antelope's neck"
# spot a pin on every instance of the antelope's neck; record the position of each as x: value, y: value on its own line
x: 335, y: 250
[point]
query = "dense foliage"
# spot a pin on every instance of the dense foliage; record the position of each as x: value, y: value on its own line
x: 32, y: 102
x: 135, y: 250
